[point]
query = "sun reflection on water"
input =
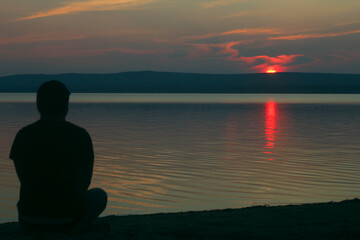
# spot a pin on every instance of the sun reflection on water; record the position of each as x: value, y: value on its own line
x: 270, y: 128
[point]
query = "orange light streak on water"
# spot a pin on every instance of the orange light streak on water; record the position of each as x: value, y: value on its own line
x: 270, y: 128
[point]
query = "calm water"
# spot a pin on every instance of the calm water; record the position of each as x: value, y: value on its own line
x: 180, y: 152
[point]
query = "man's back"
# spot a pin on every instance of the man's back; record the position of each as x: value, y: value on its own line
x: 54, y: 162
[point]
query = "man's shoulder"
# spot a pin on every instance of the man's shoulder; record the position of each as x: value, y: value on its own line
x: 76, y: 132
x: 75, y: 128
x: 28, y: 128
x: 40, y: 125
x: 80, y: 136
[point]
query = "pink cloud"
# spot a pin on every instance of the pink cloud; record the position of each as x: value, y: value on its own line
x: 242, y: 31
x: 90, y: 5
x: 263, y: 63
x: 38, y: 38
x: 136, y: 51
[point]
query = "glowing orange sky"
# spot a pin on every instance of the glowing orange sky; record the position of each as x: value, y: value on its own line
x: 215, y: 36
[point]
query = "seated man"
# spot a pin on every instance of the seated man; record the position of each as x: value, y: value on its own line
x: 54, y: 162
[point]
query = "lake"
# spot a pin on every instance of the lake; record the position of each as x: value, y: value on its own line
x: 181, y: 152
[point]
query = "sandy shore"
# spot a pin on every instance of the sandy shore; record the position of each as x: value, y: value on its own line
x: 333, y: 220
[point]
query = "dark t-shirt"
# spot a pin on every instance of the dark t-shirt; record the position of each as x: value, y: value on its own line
x: 54, y: 162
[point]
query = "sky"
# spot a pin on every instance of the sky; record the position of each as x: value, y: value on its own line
x: 214, y: 36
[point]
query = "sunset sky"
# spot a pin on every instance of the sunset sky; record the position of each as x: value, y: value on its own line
x: 214, y: 36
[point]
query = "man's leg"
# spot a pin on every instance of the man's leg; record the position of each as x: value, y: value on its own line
x: 95, y: 204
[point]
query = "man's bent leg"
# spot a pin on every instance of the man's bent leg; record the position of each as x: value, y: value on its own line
x: 95, y: 204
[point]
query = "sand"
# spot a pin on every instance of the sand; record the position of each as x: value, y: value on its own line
x: 333, y: 220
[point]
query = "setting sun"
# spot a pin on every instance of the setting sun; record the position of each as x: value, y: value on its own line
x: 271, y: 71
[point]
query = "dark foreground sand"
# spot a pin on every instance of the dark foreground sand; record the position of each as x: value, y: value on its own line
x: 308, y: 221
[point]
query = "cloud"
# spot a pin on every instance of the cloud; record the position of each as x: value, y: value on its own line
x: 130, y: 51
x: 279, y: 63
x: 248, y: 13
x: 313, y: 35
x: 346, y: 56
x: 38, y: 38
x: 66, y: 51
x: 347, y: 23
x: 282, y: 59
x: 261, y: 63
x: 86, y: 6
x: 223, y: 50
x: 239, y: 14
x: 299, y: 60
x: 243, y: 31
x: 231, y: 50
x: 101, y: 51
x: 228, y: 51
x: 220, y: 3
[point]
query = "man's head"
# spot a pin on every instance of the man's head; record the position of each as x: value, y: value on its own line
x: 52, y: 99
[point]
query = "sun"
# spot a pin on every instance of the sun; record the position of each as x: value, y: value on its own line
x: 270, y: 71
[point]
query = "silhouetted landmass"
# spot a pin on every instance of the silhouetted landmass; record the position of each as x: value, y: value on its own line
x: 166, y: 82
x: 320, y: 221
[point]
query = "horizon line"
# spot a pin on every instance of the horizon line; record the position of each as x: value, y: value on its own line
x: 151, y: 71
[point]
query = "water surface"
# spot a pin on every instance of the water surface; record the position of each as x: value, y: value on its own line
x: 180, y: 152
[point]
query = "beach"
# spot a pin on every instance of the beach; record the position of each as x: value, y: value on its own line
x: 332, y: 220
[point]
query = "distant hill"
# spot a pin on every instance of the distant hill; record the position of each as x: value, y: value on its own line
x: 166, y: 82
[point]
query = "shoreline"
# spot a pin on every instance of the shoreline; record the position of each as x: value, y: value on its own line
x: 331, y: 220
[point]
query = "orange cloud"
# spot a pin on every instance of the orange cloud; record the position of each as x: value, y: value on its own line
x: 282, y: 59
x: 263, y: 63
x: 223, y: 49
x: 220, y: 3
x: 92, y: 5
x: 38, y: 38
x: 244, y: 31
x: 135, y: 51
x: 314, y: 35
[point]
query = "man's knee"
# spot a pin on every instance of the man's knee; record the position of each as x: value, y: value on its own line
x: 98, y: 194
x: 96, y: 200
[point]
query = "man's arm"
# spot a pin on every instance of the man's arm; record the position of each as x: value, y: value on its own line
x: 87, y: 174
x: 88, y: 162
x: 18, y: 168
x: 16, y: 155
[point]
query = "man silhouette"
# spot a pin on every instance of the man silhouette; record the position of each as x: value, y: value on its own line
x: 54, y: 161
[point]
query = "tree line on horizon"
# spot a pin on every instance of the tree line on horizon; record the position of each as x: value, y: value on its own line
x: 167, y: 82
